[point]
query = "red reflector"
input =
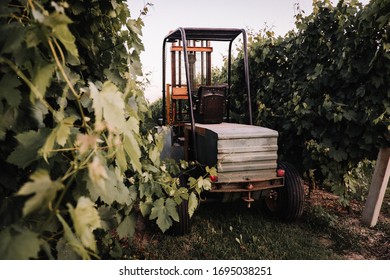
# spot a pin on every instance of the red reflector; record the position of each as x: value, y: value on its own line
x: 213, y: 178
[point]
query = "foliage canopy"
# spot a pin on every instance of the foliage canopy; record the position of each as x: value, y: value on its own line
x: 77, y: 162
x: 324, y: 86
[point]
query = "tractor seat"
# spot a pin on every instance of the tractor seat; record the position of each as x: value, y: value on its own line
x: 210, y: 104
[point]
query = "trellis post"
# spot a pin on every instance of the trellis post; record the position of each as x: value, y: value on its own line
x: 378, y: 187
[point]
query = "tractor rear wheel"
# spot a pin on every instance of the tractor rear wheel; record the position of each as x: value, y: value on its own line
x: 286, y: 202
x: 183, y: 226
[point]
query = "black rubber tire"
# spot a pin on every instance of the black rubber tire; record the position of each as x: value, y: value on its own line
x: 287, y: 203
x: 182, y: 227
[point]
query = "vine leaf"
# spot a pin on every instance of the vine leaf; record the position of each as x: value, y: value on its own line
x: 130, y: 143
x: 117, y: 191
x: 146, y: 206
x: 29, y: 144
x: 154, y: 155
x: 12, y: 36
x: 171, y: 207
x: 192, y: 204
x: 107, y: 184
x: 164, y: 211
x: 134, y: 26
x: 64, y: 129
x: 127, y: 227
x: 72, y: 241
x: 9, y: 91
x: 42, y: 77
x: 133, y: 150
x: 337, y: 154
x: 108, y: 105
x: 85, y: 142
x: 19, y: 244
x: 59, y: 24
x: 85, y: 219
x: 58, y: 135
x: 44, y: 191
x: 97, y: 173
x: 121, y: 160
x: 62, y: 33
x: 65, y: 251
x: 212, y: 171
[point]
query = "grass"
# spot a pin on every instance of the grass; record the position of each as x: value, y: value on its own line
x: 232, y: 231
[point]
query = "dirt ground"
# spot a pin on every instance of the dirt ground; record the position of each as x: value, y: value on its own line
x: 364, y: 243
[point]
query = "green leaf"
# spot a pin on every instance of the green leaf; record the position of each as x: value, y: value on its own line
x: 204, y: 184
x: 77, y: 8
x: 62, y: 33
x: 65, y: 251
x: 42, y: 78
x: 12, y: 36
x: 192, y: 182
x: 337, y: 154
x: 59, y: 135
x: 64, y: 129
x: 135, y: 67
x: 154, y: 155
x: 146, y: 207
x: 350, y: 115
x: 120, y: 158
x: 212, y: 171
x: 107, y: 183
x: 133, y: 150
x: 97, y: 173
x: 86, y: 143
x: 126, y: 228
x: 55, y: 19
x: 107, y: 217
x: 44, y: 191
x: 192, y: 204
x: 160, y: 212
x: 7, y: 121
x: 171, y: 207
x: 132, y: 124
x: 12, y: 95
x: 135, y: 26
x: 19, y: 244
x: 131, y: 144
x: 119, y: 192
x: 9, y: 91
x: 85, y: 219
x: 59, y: 24
x: 108, y: 105
x: 27, y: 150
x: 72, y: 240
x: 377, y: 81
x: 180, y: 194
x: 34, y: 36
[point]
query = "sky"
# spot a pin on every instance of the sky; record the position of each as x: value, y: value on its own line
x: 167, y: 15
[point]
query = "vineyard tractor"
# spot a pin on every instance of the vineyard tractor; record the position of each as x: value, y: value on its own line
x: 201, y: 129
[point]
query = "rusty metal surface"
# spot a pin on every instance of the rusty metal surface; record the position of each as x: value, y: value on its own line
x: 243, y: 187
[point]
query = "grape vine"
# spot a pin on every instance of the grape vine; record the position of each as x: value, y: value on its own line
x: 77, y: 162
x: 323, y: 86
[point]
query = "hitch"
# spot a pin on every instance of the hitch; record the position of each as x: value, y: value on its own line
x: 249, y: 198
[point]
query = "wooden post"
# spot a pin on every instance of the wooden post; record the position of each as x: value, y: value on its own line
x: 378, y: 187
